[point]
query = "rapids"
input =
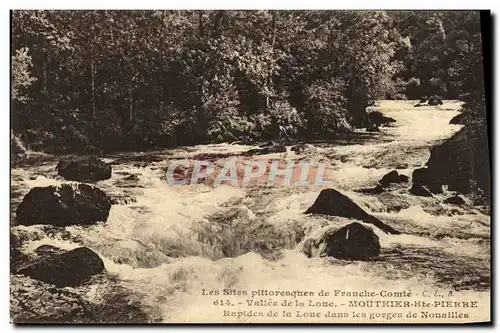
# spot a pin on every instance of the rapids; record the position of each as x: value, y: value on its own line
x: 162, y: 244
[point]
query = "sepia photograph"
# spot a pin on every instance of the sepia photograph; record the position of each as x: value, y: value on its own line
x: 250, y: 166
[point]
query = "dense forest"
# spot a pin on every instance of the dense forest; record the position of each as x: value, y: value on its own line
x: 102, y: 81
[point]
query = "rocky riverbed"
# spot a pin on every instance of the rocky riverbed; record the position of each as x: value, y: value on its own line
x: 160, y: 245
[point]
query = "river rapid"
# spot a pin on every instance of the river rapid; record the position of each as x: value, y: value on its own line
x: 162, y: 245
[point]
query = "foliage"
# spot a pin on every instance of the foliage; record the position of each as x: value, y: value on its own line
x: 21, y: 76
x: 114, y: 80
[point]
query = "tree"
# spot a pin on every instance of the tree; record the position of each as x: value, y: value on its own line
x: 21, y: 74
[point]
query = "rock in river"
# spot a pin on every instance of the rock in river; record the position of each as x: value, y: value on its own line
x: 352, y: 242
x: 459, y: 119
x: 426, y: 177
x: 435, y: 100
x: 420, y: 191
x: 63, y: 205
x: 332, y: 202
x: 455, y: 200
x: 393, y: 177
x: 88, y: 169
x: 462, y: 162
x: 376, y: 118
x: 70, y: 268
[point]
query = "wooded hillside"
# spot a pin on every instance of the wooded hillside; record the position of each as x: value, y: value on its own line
x: 98, y: 81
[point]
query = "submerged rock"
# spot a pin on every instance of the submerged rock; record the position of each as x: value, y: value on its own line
x: 88, y: 169
x: 455, y: 200
x: 393, y: 178
x: 70, y: 268
x: 332, y: 202
x: 64, y: 205
x: 352, y: 242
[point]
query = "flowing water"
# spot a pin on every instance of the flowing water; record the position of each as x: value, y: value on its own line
x: 163, y: 244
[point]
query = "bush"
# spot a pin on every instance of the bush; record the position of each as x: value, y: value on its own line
x: 325, y: 109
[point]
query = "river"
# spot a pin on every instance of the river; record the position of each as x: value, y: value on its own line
x: 163, y: 244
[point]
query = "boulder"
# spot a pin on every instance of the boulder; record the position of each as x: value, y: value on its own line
x: 462, y: 162
x: 393, y: 177
x: 403, y: 179
x: 435, y: 100
x: 419, y: 176
x: 455, y: 200
x: 376, y: 118
x: 352, y: 242
x: 70, y: 268
x: 372, y: 128
x: 425, y: 177
x: 459, y: 119
x: 420, y: 191
x: 88, y: 169
x: 332, y: 202
x: 64, y: 205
